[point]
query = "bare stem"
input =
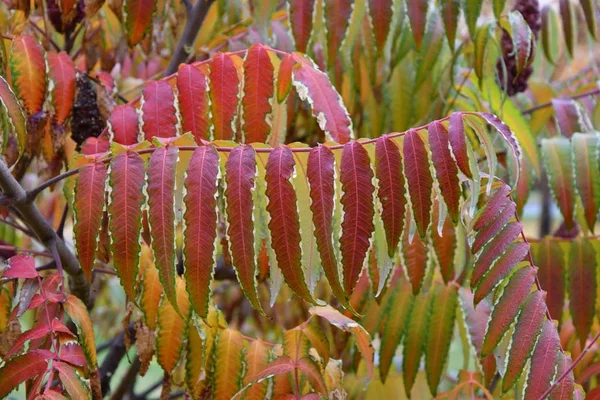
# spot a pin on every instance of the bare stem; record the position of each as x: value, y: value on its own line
x: 549, y: 104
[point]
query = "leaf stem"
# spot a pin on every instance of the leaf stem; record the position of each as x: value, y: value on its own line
x: 549, y: 104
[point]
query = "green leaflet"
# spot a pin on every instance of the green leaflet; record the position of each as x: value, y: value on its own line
x: 472, y: 10
x: 401, y: 90
x: 414, y: 340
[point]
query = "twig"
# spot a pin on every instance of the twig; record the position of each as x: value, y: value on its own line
x: 571, y: 367
x: 46, y: 36
x: 193, y: 22
x: 113, y: 358
x: 549, y: 104
x: 37, y: 224
x: 63, y: 220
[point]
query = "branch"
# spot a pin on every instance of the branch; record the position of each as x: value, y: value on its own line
x: 194, y: 20
x: 46, y: 234
x: 113, y: 358
x: 549, y: 104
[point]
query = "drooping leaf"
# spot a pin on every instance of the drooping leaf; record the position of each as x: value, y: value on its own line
x: 445, y: 244
x: 224, y: 87
x: 314, y: 86
x: 494, y: 249
x: 159, y: 118
x: 550, y: 33
x: 161, y: 216
x: 123, y: 124
x: 397, y: 309
x: 321, y: 175
x: 439, y: 332
x: 301, y: 21
x: 494, y: 225
x: 582, y: 286
x: 88, y: 206
x: 414, y: 341
x: 556, y: 153
x: 362, y: 337
x: 381, y: 16
x: 543, y: 362
x: 415, y: 256
x: 200, y: 225
x: 522, y: 38
x: 569, y: 116
x: 195, y: 375
x: 284, y: 222
x: 28, y: 72
x: 527, y: 329
x: 73, y: 383
x: 450, y: 12
x: 569, y: 24
x: 73, y: 354
x: 256, y: 361
x: 586, y: 159
x: 337, y: 15
x: 420, y: 182
x: 193, y: 101
x: 62, y: 75
x: 258, y: 91
x: 458, y: 144
x: 357, y: 227
x: 150, y: 287
x: 446, y: 170
x: 127, y: 177
x: 19, y: 369
x: 172, y: 327
x: 284, y: 77
x: 590, y: 8
x: 15, y: 125
x: 241, y: 172
x: 311, y: 370
x: 229, y: 364
x: 417, y: 16
x: 390, y: 177
x: 564, y: 389
x: 80, y: 317
x: 514, y: 254
x: 550, y: 260
x: 507, y: 307
x: 472, y: 10
x: 494, y: 206
x: 137, y: 18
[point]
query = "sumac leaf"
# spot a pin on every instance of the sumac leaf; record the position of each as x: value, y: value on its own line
x: 28, y: 72
x: 62, y: 74
x: 357, y: 227
x: 417, y: 16
x: 123, y: 124
x: 258, y: 91
x: 582, y: 286
x: 224, y: 85
x: 458, y: 142
x: 450, y: 13
x: 556, y: 153
x: 381, y: 16
x: 159, y: 117
x: 446, y: 170
x: 229, y: 364
x: 137, y: 18
x: 494, y: 225
x: 193, y: 101
x: 337, y: 15
x: 172, y: 326
x: 586, y: 159
x: 20, y: 266
x: 420, y: 182
x: 550, y: 259
x: 543, y: 362
x: 19, y: 369
x: 257, y: 359
x: 16, y: 126
x: 414, y: 341
x: 78, y: 313
x: 301, y: 21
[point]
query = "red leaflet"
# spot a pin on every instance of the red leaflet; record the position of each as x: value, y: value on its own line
x: 127, y: 177
x: 564, y: 390
x: 93, y: 145
x: 494, y: 249
x: 62, y: 73
x: 161, y: 185
x: 557, y: 155
x: 381, y: 16
x: 566, y: 115
x: 320, y: 172
x: 476, y: 317
x: 420, y: 182
x: 20, y: 266
x: 16, y: 120
x: 200, y: 225
x: 509, y: 137
x: 494, y: 206
x: 71, y: 381
x: 357, y: 227
x: 241, y: 171
x: 337, y: 15
x: 28, y: 72
x: 524, y: 337
x: 507, y: 307
x: 22, y: 368
x: 73, y: 354
x: 458, y: 142
x: 582, y: 286
x: 159, y: 117
x: 87, y: 207
x: 414, y: 256
x: 258, y: 90
x: 326, y: 103
x: 445, y: 167
x: 38, y: 331
x: 543, y: 362
x: 493, y: 226
x: 515, y: 253
x: 450, y: 13
x: 389, y: 173
x: 417, y: 15
x: 137, y: 15
x: 301, y: 21
x: 282, y: 365
x: 312, y: 371
x: 284, y: 77
x: 550, y: 260
x: 224, y: 84
x: 284, y: 223
x: 123, y: 124
x: 193, y: 101
x: 445, y: 247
